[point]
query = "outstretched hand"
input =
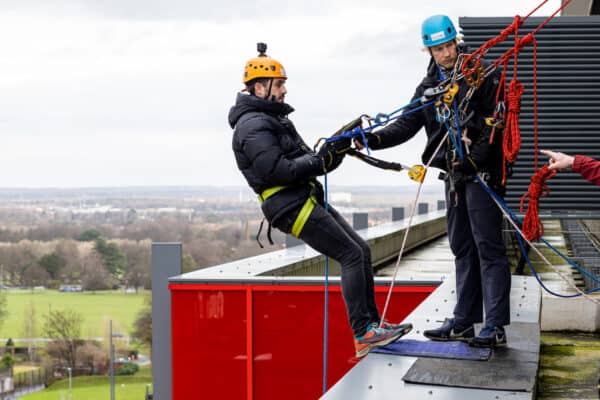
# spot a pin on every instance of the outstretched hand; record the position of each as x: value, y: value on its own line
x: 558, y: 161
x: 372, y: 138
x: 332, y: 153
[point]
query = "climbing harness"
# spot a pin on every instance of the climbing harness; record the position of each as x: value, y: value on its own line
x: 300, y: 220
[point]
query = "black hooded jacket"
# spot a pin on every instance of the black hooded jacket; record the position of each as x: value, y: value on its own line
x: 488, y: 157
x: 269, y: 152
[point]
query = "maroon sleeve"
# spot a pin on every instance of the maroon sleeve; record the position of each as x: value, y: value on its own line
x: 588, y: 168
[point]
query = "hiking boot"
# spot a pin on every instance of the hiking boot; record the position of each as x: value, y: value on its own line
x: 490, y: 336
x: 449, y: 331
x: 377, y: 337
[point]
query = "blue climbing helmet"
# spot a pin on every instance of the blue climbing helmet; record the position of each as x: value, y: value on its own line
x: 437, y: 29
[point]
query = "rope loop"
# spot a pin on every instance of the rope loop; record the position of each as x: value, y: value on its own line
x: 533, y: 229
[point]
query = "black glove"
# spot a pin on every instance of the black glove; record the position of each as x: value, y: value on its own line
x: 340, y: 145
x: 332, y: 153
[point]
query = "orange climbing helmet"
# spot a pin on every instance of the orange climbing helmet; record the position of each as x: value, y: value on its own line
x: 263, y: 66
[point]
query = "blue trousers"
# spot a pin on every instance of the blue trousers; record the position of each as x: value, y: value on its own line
x: 482, y: 269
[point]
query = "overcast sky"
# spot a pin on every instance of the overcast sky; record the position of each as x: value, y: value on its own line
x: 136, y: 92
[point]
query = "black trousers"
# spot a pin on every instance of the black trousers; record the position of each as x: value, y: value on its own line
x: 482, y: 269
x: 328, y: 232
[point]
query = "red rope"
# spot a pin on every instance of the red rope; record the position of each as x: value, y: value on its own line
x: 535, y: 9
x: 535, y: 108
x: 511, y: 143
x: 473, y: 61
x: 532, y: 225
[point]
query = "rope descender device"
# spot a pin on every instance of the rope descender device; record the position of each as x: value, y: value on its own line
x: 475, y: 79
x: 448, y: 97
x: 417, y: 173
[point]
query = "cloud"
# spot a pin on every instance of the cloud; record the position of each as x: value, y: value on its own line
x: 91, y: 88
x: 160, y: 10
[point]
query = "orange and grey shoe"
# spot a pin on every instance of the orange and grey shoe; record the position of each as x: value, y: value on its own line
x: 377, y: 337
x: 392, y: 326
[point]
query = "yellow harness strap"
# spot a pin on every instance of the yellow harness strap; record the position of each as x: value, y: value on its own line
x: 302, y: 217
x: 269, y: 192
x: 305, y: 211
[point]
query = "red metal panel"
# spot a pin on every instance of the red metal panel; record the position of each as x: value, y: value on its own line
x: 284, y: 339
x: 209, y: 344
x: 289, y: 343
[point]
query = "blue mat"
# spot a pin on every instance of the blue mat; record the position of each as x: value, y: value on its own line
x: 418, y: 348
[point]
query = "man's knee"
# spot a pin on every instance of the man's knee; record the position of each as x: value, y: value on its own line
x: 352, y: 255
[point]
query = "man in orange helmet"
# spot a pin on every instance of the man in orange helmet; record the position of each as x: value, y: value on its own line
x: 282, y: 170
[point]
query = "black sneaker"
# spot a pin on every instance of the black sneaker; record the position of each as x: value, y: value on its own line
x: 490, y: 336
x: 449, y: 331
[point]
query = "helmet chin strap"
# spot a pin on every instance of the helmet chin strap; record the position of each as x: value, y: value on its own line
x: 269, y: 96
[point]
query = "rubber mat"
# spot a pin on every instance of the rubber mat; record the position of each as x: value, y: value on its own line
x: 511, y: 368
x: 418, y: 348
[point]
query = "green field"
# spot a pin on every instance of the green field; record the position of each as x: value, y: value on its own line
x: 96, y: 308
x: 97, y: 388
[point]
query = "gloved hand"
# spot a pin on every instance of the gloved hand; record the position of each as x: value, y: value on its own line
x: 341, y: 145
x: 332, y: 153
x: 373, y: 139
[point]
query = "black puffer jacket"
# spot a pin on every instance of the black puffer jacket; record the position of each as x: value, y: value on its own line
x: 482, y: 103
x: 269, y: 152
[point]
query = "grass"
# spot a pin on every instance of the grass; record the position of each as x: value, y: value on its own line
x: 97, y: 388
x: 96, y: 308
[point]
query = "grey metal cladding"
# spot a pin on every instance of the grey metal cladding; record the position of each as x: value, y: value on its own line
x: 568, y: 77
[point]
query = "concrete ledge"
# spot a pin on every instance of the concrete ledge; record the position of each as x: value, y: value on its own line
x: 302, y: 261
x: 379, y: 376
x: 577, y: 314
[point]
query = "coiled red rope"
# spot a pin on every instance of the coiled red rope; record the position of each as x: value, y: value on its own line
x: 511, y: 143
x: 533, y: 228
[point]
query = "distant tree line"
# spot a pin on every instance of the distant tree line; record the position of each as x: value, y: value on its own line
x: 96, y: 265
x: 106, y: 257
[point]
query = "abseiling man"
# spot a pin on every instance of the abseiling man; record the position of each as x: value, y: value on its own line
x: 282, y: 170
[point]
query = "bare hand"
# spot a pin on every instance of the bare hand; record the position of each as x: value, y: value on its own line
x: 358, y: 144
x: 558, y: 161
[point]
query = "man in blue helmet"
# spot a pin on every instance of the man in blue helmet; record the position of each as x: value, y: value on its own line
x: 474, y: 221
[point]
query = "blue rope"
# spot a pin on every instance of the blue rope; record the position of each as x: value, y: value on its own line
x: 573, y: 263
x: 458, y: 135
x: 326, y: 313
x: 360, y: 132
x: 456, y: 141
x: 535, y: 274
x: 549, y: 245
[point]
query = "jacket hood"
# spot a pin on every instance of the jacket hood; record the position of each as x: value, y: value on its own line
x: 246, y: 103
